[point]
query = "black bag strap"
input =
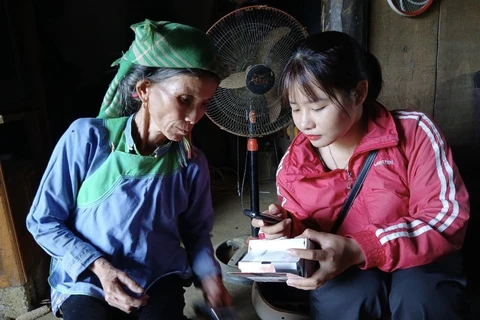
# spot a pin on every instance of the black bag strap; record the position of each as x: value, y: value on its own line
x: 355, y: 189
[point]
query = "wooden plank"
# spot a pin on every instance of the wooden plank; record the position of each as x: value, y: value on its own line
x: 5, y: 118
x: 458, y: 60
x: 11, y: 270
x: 21, y: 179
x: 407, y: 50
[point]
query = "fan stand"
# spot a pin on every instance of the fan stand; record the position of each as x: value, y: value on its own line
x: 266, y: 306
x: 230, y: 252
x: 259, y: 80
x: 252, y: 149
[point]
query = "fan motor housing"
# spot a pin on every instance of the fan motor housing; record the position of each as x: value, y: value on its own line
x: 260, y: 79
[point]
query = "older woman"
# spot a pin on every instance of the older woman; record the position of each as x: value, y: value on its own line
x: 124, y: 206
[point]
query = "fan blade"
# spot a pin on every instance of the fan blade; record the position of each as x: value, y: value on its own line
x: 234, y: 81
x: 277, y: 69
x: 268, y: 42
x: 273, y: 104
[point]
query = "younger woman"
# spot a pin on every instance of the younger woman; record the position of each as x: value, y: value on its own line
x: 397, y: 251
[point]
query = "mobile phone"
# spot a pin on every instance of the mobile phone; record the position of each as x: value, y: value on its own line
x: 265, y: 217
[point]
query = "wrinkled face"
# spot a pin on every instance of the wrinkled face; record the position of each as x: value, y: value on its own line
x: 177, y: 103
x: 322, y: 120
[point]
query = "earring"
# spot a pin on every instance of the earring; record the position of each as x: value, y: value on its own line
x: 187, y: 119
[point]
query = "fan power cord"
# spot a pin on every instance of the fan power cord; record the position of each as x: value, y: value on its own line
x: 222, y: 181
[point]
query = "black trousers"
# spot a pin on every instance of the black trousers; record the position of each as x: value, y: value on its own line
x: 434, y: 291
x: 166, y: 302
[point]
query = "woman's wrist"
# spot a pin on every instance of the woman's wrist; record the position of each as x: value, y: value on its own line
x: 99, y: 266
x: 356, y: 251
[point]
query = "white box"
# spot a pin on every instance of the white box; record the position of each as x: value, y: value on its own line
x: 268, y: 260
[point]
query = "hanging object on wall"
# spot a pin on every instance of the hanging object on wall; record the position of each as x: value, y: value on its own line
x: 409, y: 8
x: 243, y: 2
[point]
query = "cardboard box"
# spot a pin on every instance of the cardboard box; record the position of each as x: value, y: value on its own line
x: 268, y: 260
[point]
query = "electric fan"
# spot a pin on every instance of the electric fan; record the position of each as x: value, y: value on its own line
x: 254, y: 44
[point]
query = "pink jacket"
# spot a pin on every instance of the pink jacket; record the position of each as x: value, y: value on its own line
x: 413, y: 206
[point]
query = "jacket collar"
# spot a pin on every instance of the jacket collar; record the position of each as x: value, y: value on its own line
x: 382, y: 131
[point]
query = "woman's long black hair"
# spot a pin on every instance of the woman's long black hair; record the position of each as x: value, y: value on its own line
x: 332, y: 61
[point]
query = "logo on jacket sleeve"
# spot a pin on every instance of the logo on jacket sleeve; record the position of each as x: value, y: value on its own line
x: 383, y: 162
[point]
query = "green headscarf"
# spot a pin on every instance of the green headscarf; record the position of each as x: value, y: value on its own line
x: 162, y: 44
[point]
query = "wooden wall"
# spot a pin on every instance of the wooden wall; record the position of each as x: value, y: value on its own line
x: 428, y: 62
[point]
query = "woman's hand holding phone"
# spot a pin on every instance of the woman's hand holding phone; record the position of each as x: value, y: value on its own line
x: 273, y: 223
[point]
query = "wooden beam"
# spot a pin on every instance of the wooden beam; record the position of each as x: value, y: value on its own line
x: 349, y: 16
x: 11, y: 268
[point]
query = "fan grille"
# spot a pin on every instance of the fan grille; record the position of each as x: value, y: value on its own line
x: 243, y: 39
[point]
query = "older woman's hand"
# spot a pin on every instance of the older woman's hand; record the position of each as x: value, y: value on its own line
x: 274, y: 231
x: 337, y: 254
x: 215, y: 293
x: 113, y: 281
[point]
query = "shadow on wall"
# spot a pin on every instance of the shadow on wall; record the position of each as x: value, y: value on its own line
x: 467, y: 163
x: 468, y: 167
x: 458, y: 124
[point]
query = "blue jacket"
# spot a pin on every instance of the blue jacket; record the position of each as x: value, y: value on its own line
x: 148, y: 215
